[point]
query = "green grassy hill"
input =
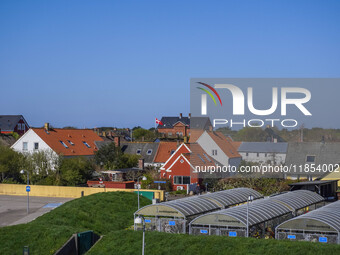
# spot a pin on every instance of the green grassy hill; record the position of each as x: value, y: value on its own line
x: 102, y: 212
x: 130, y: 242
x: 110, y: 214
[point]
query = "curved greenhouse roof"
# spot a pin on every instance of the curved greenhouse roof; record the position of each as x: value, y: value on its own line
x: 326, y: 218
x: 260, y: 210
x: 298, y: 199
x: 199, y: 204
x: 231, y: 197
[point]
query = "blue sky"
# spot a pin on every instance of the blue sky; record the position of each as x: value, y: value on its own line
x: 123, y: 63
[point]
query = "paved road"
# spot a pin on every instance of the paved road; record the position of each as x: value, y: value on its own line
x: 13, y: 209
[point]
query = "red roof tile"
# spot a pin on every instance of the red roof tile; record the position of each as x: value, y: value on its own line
x: 164, y: 151
x: 73, y: 138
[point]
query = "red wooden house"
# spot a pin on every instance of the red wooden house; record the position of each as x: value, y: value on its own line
x: 180, y: 168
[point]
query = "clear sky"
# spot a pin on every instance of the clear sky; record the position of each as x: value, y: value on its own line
x: 123, y: 63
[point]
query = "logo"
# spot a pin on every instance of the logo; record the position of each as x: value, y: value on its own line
x: 281, y: 99
x: 204, y: 97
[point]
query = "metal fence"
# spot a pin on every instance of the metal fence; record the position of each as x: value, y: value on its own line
x: 326, y: 237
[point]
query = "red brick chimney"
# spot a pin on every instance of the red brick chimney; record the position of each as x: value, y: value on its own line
x: 141, y: 163
x: 116, y: 140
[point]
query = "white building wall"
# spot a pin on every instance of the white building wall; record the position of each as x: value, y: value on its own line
x: 274, y: 158
x: 208, y: 144
x: 30, y: 137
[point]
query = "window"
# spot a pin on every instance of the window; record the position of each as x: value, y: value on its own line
x: 181, y: 179
x: 169, y: 134
x: 36, y: 146
x: 180, y: 133
x: 86, y: 144
x: 19, y: 126
x: 201, y: 158
x: 149, y: 151
x: 310, y: 159
x: 172, y: 152
x: 214, y: 152
x: 65, y: 145
x: 138, y: 151
x: 24, y: 146
x: 70, y: 142
x: 206, y: 156
x: 23, y: 127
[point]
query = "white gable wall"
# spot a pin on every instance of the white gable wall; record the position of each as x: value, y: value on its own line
x: 30, y: 137
x: 208, y: 144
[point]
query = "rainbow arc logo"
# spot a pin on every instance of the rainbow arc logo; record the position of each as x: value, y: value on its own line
x: 204, y: 97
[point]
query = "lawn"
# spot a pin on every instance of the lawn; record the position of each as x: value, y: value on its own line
x: 110, y: 214
x: 102, y: 212
x: 130, y: 242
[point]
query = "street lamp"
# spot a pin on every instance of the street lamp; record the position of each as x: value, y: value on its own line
x: 140, y: 219
x: 250, y: 199
x: 144, y: 179
x: 28, y: 183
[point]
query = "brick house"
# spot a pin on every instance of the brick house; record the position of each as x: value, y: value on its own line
x: 180, y: 126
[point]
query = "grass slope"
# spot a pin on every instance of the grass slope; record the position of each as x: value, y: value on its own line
x: 130, y: 242
x: 102, y: 212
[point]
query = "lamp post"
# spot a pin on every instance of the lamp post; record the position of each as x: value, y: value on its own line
x: 250, y: 199
x: 28, y: 183
x: 144, y: 179
x: 140, y: 219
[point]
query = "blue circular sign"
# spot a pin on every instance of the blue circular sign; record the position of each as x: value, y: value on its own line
x: 28, y: 188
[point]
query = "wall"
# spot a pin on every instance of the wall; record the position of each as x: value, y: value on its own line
x: 208, y: 144
x: 279, y: 158
x: 62, y: 191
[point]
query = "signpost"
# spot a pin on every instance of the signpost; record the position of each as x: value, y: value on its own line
x: 159, y: 182
x: 28, y: 189
x: 232, y: 234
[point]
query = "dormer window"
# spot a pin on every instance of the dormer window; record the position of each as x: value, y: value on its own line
x: 149, y: 151
x: 138, y: 151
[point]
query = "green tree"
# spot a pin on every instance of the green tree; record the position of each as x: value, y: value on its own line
x: 109, y: 156
x: 141, y: 133
x: 10, y: 164
x: 75, y: 171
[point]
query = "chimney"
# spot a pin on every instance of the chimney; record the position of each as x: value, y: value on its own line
x: 189, y: 115
x: 141, y: 163
x: 275, y: 140
x: 47, y: 126
x: 116, y: 140
x: 185, y: 139
x: 180, y: 115
x: 210, y: 128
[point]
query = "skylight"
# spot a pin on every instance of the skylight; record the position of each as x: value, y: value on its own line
x: 138, y: 151
x: 65, y: 145
x: 201, y: 158
x: 70, y: 142
x: 206, y: 156
x: 149, y: 151
x: 86, y: 144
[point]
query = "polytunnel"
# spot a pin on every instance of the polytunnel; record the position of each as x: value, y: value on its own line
x: 321, y: 225
x: 263, y: 215
x: 174, y: 216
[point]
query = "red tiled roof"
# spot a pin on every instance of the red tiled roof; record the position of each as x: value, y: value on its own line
x: 164, y: 151
x: 198, y: 157
x: 225, y: 144
x: 195, y: 134
x: 76, y: 136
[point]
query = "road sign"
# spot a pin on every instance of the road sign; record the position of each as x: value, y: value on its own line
x: 28, y: 188
x: 291, y: 236
x: 322, y: 239
x: 172, y: 223
x: 203, y: 231
x: 147, y: 221
x: 159, y: 182
x: 233, y: 234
